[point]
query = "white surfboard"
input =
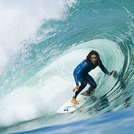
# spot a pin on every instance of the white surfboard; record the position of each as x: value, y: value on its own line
x: 69, y: 107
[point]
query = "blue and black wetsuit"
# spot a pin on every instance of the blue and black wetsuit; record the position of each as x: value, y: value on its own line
x: 81, y: 75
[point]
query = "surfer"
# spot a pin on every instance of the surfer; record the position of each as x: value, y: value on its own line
x: 81, y: 75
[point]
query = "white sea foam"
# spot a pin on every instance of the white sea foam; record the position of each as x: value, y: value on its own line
x: 20, y: 20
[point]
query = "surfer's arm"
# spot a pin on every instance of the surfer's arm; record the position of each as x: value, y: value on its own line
x: 77, y: 83
x: 111, y: 73
x: 78, y: 70
x: 103, y: 68
x: 76, y: 80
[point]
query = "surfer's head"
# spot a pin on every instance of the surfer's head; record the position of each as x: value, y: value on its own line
x: 93, y: 57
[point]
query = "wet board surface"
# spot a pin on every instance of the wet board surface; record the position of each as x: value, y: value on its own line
x: 69, y: 107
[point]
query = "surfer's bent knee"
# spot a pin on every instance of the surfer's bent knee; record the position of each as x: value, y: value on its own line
x: 93, y: 85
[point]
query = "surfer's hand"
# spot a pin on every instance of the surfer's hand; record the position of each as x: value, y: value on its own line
x: 111, y: 73
x: 76, y: 88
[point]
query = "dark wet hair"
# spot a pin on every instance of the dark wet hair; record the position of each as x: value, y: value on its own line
x: 88, y: 58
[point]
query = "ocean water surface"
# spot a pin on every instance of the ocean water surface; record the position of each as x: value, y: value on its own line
x: 41, y: 44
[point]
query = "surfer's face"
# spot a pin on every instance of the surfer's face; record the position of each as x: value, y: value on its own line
x: 94, y: 59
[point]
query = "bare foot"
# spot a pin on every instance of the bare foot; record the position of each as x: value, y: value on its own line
x: 74, y: 101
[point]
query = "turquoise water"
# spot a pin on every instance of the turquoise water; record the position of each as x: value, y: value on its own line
x: 38, y: 80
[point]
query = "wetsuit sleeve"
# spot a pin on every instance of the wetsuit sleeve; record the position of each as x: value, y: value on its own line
x: 76, y: 79
x: 103, y: 68
x: 78, y: 70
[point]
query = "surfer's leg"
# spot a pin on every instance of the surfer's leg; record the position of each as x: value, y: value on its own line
x: 82, y: 86
x: 92, y: 83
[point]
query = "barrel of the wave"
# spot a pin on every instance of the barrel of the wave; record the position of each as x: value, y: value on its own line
x: 82, y: 79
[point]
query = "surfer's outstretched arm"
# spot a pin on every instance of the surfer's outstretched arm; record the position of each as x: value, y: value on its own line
x: 104, y: 69
x: 111, y: 73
